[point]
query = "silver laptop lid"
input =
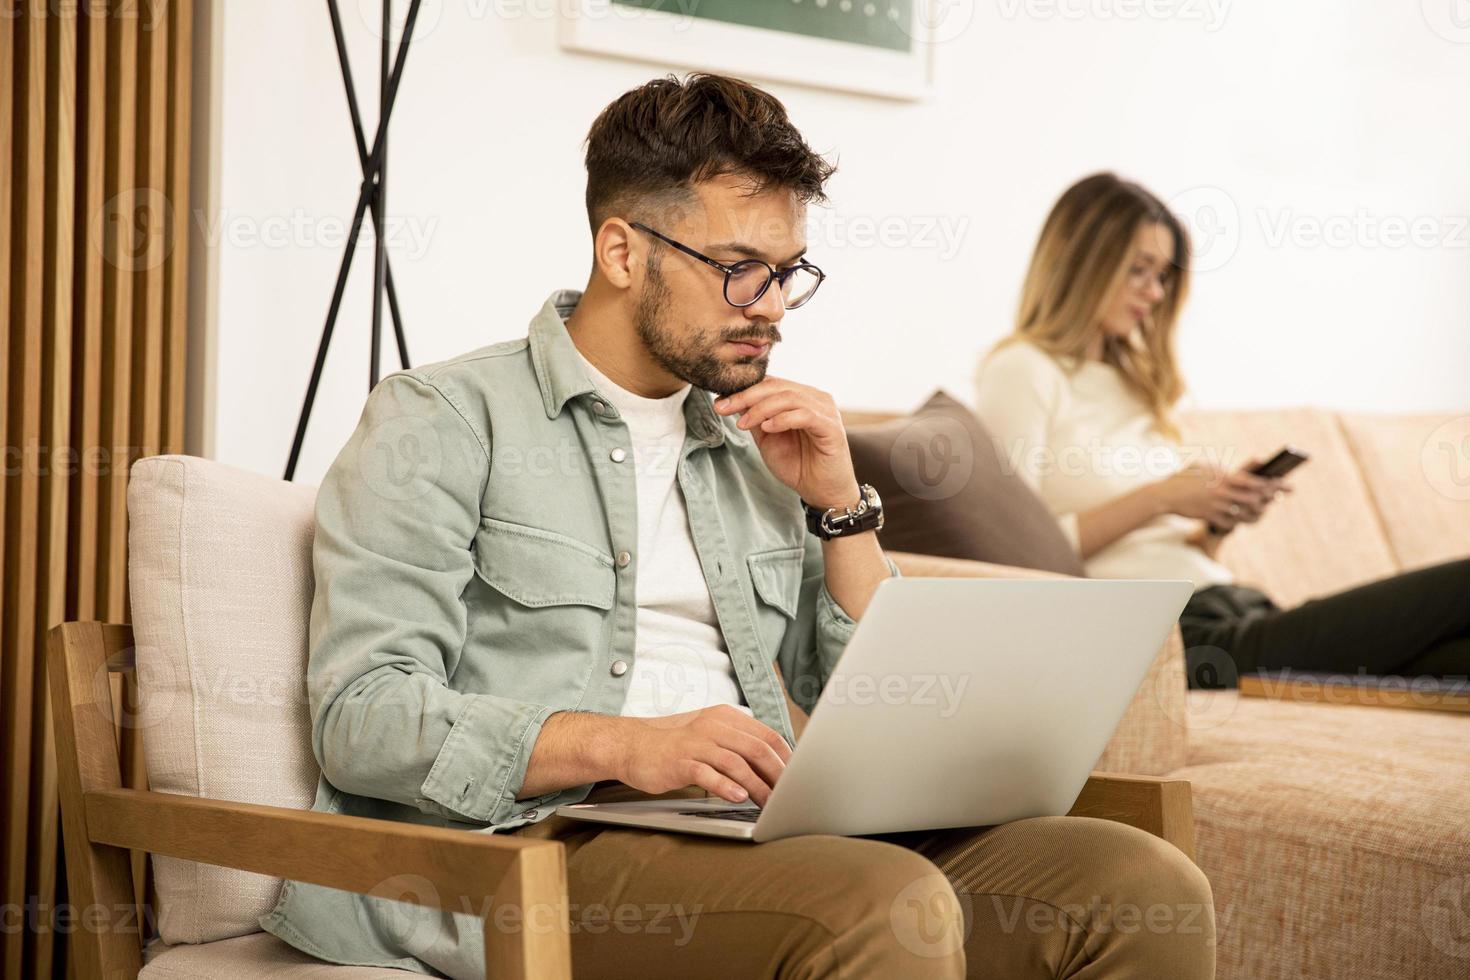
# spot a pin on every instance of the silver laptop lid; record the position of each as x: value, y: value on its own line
x: 969, y: 702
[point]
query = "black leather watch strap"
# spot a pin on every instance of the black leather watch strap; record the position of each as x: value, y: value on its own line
x: 833, y: 522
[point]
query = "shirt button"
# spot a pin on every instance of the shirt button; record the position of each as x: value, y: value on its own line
x: 618, y: 455
x: 623, y: 559
x: 599, y: 408
x: 531, y: 814
x: 619, y: 668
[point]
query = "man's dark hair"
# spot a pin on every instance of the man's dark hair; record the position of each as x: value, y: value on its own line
x: 654, y: 142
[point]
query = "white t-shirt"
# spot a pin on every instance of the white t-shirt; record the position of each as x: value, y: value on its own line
x: 1080, y: 438
x: 680, y: 659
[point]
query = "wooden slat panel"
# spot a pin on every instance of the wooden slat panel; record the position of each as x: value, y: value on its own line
x: 8, y: 134
x: 92, y: 172
x: 114, y: 225
x: 150, y: 224
x: 176, y: 291
x: 56, y: 355
x: 7, y: 137
x: 94, y: 105
x: 23, y: 432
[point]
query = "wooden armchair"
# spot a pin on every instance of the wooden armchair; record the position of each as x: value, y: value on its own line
x: 101, y: 821
x: 197, y: 530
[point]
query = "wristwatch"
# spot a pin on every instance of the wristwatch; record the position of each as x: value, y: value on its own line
x: 832, y: 522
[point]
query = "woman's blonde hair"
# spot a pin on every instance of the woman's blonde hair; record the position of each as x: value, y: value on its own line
x: 1081, y: 259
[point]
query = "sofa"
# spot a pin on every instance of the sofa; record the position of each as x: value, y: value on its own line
x: 1336, y: 837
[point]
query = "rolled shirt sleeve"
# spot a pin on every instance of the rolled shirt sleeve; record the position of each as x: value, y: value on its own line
x: 396, y: 516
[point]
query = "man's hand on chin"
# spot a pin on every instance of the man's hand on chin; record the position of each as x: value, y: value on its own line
x: 800, y: 435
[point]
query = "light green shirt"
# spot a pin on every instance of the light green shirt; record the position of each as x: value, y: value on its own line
x: 476, y: 570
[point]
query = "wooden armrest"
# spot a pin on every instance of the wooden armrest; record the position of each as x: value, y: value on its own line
x: 932, y: 566
x: 430, y: 866
x: 1160, y: 805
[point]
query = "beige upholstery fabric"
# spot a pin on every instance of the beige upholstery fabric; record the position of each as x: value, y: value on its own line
x: 1153, y: 736
x: 1324, y: 537
x: 260, y: 956
x: 1336, y: 838
x: 1152, y: 739
x: 1417, y: 468
x: 220, y: 574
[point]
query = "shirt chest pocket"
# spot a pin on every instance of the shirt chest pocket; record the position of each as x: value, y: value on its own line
x: 776, y: 578
x: 549, y: 593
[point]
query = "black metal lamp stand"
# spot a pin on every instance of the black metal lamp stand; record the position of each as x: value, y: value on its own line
x: 372, y: 193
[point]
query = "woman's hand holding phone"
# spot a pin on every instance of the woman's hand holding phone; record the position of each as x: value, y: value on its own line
x: 1221, y: 499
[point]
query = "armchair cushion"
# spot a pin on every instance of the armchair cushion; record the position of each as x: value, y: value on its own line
x: 250, y: 958
x: 220, y: 570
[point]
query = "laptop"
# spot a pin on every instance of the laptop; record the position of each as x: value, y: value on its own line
x: 958, y: 702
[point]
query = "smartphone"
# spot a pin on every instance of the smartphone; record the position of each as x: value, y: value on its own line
x: 1281, y: 464
x: 1276, y: 467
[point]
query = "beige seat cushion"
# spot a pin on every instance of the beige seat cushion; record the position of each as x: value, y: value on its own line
x: 1324, y: 537
x: 1418, y: 470
x: 1336, y: 838
x: 220, y: 571
x: 260, y: 956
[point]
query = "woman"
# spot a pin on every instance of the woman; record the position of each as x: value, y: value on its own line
x: 1080, y: 399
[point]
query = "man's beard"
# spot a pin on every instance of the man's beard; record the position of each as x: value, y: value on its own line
x: 692, y: 358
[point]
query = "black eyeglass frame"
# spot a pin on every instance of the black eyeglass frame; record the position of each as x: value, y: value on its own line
x: 772, y: 274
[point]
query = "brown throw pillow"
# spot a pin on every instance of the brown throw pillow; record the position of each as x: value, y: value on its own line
x: 948, y: 491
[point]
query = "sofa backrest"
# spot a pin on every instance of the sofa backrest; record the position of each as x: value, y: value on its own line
x: 1323, y: 537
x: 219, y: 568
x: 1417, y: 468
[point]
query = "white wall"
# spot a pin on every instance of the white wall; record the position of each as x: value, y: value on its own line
x: 1269, y: 121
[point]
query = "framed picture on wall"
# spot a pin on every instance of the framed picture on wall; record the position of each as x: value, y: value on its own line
x: 876, y: 47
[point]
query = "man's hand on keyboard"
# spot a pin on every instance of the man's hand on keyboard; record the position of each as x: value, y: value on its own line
x: 720, y: 749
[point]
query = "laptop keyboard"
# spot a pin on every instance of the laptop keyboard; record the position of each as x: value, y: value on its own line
x: 745, y: 814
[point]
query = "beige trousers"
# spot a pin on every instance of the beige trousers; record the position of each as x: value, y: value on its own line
x: 1049, y: 897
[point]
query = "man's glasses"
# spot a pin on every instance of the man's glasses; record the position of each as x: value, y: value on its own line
x: 747, y: 281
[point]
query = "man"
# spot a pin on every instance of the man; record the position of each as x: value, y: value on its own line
x: 561, y: 567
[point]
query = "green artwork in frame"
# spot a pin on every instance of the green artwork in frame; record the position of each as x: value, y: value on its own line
x: 882, y: 48
x: 886, y: 24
